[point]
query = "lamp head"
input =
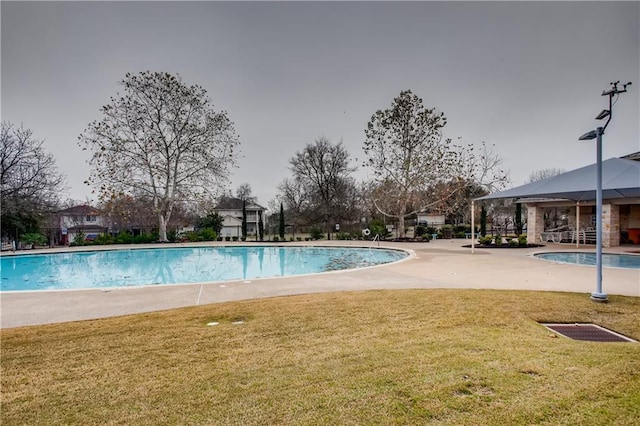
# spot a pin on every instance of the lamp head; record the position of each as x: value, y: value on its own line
x: 588, y: 136
x: 603, y: 114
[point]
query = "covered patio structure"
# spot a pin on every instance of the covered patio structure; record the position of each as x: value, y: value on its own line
x: 576, y: 190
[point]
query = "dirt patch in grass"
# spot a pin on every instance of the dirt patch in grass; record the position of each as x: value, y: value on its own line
x: 375, y: 357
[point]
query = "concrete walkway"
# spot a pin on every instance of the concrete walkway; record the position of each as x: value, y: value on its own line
x: 438, y: 264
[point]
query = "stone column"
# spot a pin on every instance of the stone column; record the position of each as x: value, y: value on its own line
x: 535, y: 222
x: 610, y: 225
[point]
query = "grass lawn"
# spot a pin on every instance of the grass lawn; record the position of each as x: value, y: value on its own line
x: 375, y: 357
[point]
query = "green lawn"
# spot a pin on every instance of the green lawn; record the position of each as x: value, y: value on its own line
x: 375, y: 357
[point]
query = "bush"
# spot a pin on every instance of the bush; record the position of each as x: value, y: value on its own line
x: 299, y: 238
x: 34, y: 238
x: 522, y: 240
x: 461, y: 229
x: 227, y: 238
x: 420, y: 230
x: 426, y: 237
x: 377, y: 226
x: 485, y: 240
x: 172, y: 236
x: 316, y: 233
x: 207, y: 234
x: 342, y: 236
x: 276, y: 238
x: 104, y: 239
x: 124, y: 237
x: 460, y: 235
x: 498, y: 240
x: 513, y: 243
x: 234, y: 238
x: 144, y: 239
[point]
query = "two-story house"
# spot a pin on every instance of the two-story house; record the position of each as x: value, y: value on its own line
x: 80, y: 219
x: 231, y: 211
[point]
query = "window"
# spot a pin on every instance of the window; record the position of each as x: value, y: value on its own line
x: 90, y: 218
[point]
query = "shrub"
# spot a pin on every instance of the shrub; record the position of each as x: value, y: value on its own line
x: 485, y: 240
x: 227, y: 238
x: 172, y: 236
x: 460, y: 235
x: 307, y: 238
x: 79, y: 239
x: 420, y: 230
x: 124, y: 237
x: 461, y: 229
x: 207, y: 234
x: 144, y: 239
x: 513, y: 243
x: 234, y: 238
x: 276, y: 238
x: 299, y: 238
x: 498, y: 240
x: 522, y: 239
x: 377, y: 226
x: 34, y: 238
x: 342, y: 236
x: 316, y: 233
x: 104, y: 239
x: 426, y: 237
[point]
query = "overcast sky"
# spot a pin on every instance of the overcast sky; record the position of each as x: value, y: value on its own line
x: 524, y: 76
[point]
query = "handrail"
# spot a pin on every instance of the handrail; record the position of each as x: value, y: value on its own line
x: 377, y: 237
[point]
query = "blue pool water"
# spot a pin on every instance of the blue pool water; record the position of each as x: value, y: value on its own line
x: 137, y: 267
x: 629, y: 261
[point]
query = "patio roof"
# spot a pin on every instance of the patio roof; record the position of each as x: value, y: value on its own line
x: 620, y: 179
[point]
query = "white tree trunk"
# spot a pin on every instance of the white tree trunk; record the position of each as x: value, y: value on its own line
x: 162, y: 228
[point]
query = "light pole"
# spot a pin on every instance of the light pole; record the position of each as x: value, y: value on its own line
x: 599, y: 295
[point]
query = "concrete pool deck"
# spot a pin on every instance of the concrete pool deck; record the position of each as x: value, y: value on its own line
x: 437, y: 264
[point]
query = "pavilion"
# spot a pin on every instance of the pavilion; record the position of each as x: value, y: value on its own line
x: 576, y: 190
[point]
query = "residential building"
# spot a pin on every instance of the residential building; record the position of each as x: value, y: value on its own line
x: 80, y: 219
x: 231, y: 211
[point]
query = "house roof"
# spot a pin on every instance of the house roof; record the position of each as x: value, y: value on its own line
x: 620, y: 179
x: 236, y: 204
x: 81, y: 210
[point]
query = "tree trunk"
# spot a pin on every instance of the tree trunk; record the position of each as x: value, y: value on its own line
x: 162, y: 228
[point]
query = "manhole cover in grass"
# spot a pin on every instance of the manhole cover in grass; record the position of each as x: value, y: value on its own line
x: 589, y: 332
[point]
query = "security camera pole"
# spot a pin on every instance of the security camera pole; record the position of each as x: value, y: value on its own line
x: 599, y: 295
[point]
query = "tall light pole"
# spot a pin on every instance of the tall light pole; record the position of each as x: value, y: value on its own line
x: 599, y: 295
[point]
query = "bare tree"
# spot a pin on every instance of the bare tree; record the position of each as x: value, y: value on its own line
x: 322, y: 171
x: 161, y: 139
x: 243, y: 192
x: 415, y: 166
x: 30, y: 183
x: 543, y: 174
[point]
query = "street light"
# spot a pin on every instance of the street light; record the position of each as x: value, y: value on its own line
x: 599, y: 295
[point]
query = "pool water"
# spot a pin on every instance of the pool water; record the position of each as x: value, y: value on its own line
x: 137, y: 267
x: 628, y: 261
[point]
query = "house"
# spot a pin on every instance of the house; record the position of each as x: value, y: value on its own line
x: 575, y: 191
x: 80, y: 219
x: 231, y: 211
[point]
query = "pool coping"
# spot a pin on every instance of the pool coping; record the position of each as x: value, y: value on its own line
x: 436, y: 264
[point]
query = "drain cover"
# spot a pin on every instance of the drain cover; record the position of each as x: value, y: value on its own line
x: 589, y: 332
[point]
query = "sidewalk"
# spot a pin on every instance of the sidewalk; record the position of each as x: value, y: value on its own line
x: 438, y: 264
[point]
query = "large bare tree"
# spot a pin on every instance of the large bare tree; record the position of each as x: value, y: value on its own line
x: 322, y: 181
x: 30, y: 183
x: 415, y: 166
x: 161, y: 139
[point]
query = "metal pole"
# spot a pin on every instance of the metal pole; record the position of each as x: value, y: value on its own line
x: 598, y: 295
x: 473, y: 226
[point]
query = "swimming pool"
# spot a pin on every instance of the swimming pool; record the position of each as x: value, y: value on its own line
x: 159, y: 266
x: 628, y: 261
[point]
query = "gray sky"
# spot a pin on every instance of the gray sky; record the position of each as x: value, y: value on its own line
x: 525, y: 76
